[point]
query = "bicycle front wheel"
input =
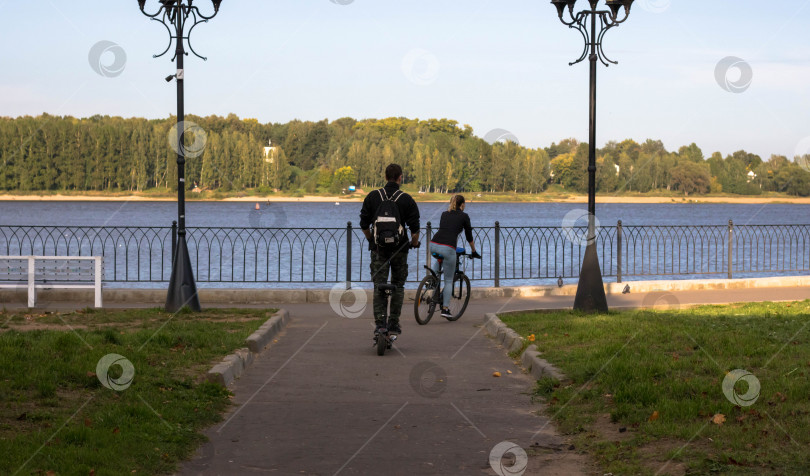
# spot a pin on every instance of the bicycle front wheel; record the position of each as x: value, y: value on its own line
x: 425, y: 303
x: 460, y: 296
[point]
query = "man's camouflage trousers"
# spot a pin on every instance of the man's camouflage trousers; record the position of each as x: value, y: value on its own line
x: 381, y: 264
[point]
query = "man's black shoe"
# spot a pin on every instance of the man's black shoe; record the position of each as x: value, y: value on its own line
x: 446, y: 312
x: 394, y: 328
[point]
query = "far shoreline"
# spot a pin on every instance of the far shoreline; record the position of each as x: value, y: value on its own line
x: 471, y: 197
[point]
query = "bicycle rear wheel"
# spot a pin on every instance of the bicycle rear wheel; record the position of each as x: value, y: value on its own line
x: 425, y: 303
x: 460, y: 296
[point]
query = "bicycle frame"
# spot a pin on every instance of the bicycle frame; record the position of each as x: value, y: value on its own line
x: 441, y: 272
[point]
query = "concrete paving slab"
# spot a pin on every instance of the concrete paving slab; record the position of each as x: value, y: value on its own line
x: 320, y: 401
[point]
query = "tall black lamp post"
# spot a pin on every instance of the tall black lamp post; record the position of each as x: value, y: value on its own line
x: 592, y: 24
x: 176, y: 15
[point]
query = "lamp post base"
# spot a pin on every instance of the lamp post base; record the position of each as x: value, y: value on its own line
x: 590, y: 289
x: 182, y: 289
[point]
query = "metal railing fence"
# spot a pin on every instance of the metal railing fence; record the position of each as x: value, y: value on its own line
x: 510, y: 254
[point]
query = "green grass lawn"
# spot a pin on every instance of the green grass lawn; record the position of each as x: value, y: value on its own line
x: 645, y: 393
x: 57, y: 418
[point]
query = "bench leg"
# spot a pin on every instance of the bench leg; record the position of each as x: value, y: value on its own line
x: 32, y: 289
x: 98, y: 283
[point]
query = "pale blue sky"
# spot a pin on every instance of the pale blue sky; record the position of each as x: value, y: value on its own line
x: 491, y: 64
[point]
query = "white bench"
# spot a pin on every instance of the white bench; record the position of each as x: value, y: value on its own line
x: 52, y: 272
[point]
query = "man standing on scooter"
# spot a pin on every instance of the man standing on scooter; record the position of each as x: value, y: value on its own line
x: 385, y: 214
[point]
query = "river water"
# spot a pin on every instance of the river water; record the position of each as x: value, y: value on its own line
x: 329, y: 215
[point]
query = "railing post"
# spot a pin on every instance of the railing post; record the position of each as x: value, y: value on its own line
x: 428, y: 237
x: 619, y: 252
x: 497, y: 254
x: 348, y: 254
x: 174, y: 240
x: 730, y: 235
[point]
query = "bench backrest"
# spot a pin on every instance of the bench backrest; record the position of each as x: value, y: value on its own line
x: 13, y: 269
x: 49, y: 268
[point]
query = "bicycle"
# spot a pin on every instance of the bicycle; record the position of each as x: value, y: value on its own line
x: 429, y: 294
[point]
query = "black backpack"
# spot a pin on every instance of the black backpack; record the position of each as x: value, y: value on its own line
x: 389, y: 234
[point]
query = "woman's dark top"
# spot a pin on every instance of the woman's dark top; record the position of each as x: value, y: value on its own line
x: 450, y: 226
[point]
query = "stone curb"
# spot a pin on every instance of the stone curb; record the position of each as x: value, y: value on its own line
x: 503, y: 334
x: 232, y: 366
x: 264, y: 334
x: 113, y: 296
x: 536, y: 366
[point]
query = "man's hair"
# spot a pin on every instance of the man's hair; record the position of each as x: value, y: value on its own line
x: 393, y: 172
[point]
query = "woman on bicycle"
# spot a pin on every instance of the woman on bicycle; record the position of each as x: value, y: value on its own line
x: 444, y: 243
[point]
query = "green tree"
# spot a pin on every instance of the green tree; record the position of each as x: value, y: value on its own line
x: 690, y: 177
x: 279, y: 170
x: 325, y: 178
x: 562, y: 170
x: 344, y: 177
x: 691, y: 153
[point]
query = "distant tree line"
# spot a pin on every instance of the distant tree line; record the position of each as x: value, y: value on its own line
x: 103, y: 153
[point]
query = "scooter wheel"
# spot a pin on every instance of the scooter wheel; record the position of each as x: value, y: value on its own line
x: 382, y: 343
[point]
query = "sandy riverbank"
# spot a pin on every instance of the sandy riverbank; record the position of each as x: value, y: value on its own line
x: 470, y: 197
x: 189, y: 198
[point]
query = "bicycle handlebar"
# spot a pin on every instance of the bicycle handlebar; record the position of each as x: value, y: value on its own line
x: 473, y: 255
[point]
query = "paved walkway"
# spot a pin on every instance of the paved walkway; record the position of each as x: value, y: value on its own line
x: 320, y: 401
